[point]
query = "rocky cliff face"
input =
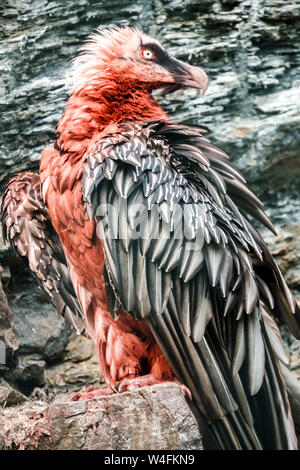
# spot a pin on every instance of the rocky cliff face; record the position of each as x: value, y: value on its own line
x: 250, y: 51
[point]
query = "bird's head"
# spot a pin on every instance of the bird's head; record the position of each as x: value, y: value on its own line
x: 129, y: 57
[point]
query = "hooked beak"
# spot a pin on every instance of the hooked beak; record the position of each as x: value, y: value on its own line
x: 195, y: 78
x: 185, y: 75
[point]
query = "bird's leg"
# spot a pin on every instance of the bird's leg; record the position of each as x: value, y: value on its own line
x: 160, y: 372
x: 129, y: 357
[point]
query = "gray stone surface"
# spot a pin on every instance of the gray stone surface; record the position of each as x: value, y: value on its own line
x: 285, y: 248
x: 156, y: 417
x: 37, y: 325
x: 9, y: 396
x: 71, y: 375
x: 8, y: 342
x: 38, y: 354
x: 28, y: 373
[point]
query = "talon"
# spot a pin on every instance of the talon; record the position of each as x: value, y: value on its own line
x: 92, y: 392
x: 186, y: 391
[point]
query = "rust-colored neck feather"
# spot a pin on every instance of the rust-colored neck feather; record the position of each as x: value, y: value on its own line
x: 95, y: 107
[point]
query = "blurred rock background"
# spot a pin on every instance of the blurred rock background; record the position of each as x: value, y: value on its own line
x: 250, y: 50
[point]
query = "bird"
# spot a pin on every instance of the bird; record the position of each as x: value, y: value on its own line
x: 141, y: 232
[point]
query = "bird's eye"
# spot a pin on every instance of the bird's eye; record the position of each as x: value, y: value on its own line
x: 147, y: 54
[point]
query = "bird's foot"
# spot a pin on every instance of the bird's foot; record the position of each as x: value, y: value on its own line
x: 133, y: 383
x: 92, y: 392
x: 127, y: 385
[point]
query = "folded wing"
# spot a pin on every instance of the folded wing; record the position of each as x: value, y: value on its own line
x: 27, y: 226
x: 181, y: 253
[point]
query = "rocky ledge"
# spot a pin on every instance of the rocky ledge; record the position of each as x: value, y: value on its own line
x: 156, y: 417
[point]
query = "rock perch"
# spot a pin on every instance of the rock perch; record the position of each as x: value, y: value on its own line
x: 155, y: 417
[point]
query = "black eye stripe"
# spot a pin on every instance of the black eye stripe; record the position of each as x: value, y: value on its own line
x: 161, y: 57
x: 159, y: 53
